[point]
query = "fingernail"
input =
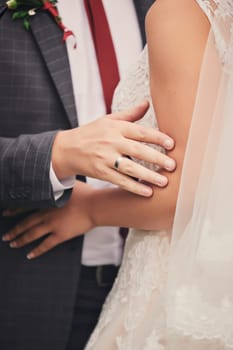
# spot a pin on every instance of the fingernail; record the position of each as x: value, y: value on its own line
x: 5, y: 238
x: 13, y: 244
x: 162, y: 181
x: 170, y: 164
x: 169, y: 144
x: 147, y: 192
x: 30, y: 256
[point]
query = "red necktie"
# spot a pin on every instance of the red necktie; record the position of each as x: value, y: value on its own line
x: 104, y: 48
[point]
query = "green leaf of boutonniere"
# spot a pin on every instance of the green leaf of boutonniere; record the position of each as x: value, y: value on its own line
x: 19, y: 14
x: 26, y: 23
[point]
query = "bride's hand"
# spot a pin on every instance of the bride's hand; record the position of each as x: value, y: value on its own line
x: 61, y: 224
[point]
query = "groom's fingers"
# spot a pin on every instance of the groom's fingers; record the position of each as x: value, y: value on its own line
x: 133, y: 114
x: 14, y: 212
x: 49, y: 243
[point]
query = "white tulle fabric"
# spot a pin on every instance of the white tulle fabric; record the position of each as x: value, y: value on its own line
x: 178, y: 295
x: 199, y: 299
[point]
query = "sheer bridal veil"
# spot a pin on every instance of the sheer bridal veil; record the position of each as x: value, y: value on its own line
x: 199, y: 294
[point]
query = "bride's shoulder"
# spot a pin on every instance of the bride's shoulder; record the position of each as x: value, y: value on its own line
x: 165, y: 13
x: 173, y: 27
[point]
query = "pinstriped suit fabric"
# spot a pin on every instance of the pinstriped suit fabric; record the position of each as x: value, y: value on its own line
x: 29, y: 104
x: 36, y: 298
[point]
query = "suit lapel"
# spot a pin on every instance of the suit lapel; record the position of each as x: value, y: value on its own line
x: 3, y: 7
x: 49, y: 41
x: 142, y: 6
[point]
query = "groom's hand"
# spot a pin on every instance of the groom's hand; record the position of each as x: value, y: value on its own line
x: 103, y: 148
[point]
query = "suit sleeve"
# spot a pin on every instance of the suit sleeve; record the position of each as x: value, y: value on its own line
x: 25, y: 172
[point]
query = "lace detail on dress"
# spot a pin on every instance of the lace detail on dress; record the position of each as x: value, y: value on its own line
x: 198, y: 317
x: 220, y: 14
x: 144, y: 266
x: 141, y: 278
x: 153, y: 341
x: 201, y: 321
x: 134, y: 90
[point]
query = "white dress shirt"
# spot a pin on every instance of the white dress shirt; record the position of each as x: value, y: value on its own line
x: 102, y: 245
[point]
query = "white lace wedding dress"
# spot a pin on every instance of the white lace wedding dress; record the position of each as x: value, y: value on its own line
x: 136, y: 315
x: 144, y: 263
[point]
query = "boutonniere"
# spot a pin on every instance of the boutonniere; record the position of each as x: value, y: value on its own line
x: 25, y: 9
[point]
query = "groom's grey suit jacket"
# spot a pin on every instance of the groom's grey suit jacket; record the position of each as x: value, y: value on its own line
x: 36, y: 100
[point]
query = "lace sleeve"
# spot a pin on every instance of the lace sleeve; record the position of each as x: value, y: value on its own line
x: 220, y: 15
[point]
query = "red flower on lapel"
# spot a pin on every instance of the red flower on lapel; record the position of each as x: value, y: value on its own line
x: 24, y: 9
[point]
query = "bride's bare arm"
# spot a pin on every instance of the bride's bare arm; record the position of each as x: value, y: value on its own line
x: 177, y: 32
